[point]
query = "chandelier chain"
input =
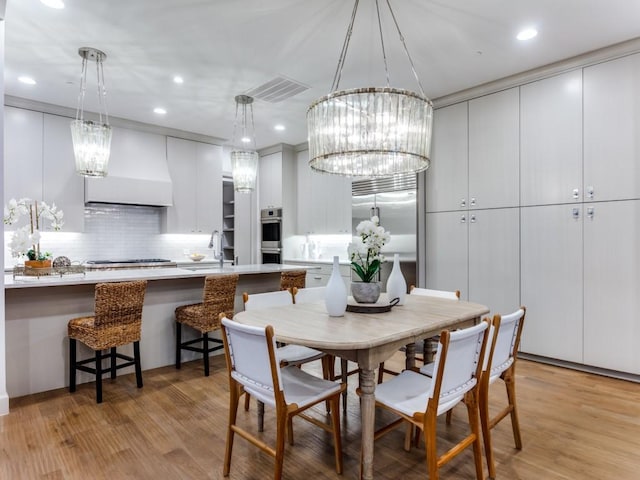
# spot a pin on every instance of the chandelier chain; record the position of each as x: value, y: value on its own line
x: 384, y: 53
x: 83, y: 87
x: 102, y: 90
x: 345, y: 47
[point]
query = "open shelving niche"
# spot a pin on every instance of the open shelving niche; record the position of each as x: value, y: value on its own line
x: 228, y: 218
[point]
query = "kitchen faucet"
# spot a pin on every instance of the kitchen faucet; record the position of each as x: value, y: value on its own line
x: 216, y: 244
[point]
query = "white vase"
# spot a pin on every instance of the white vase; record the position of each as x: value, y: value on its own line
x: 396, y: 284
x: 335, y: 298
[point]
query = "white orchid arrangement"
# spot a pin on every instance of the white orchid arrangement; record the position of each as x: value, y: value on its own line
x: 26, y: 239
x: 365, y: 255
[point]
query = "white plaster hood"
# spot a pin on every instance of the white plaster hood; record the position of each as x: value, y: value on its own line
x: 138, y: 172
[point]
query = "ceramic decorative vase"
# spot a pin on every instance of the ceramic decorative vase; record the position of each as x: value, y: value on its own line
x: 396, y: 284
x: 335, y: 299
x: 364, y: 292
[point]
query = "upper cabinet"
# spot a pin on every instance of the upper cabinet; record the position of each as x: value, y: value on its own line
x: 324, y: 201
x: 277, y: 185
x: 612, y: 129
x: 447, y: 176
x: 39, y: 163
x: 551, y: 140
x: 196, y: 175
x: 271, y: 185
x: 23, y: 131
x: 494, y: 146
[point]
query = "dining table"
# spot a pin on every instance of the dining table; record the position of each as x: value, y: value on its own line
x: 367, y: 339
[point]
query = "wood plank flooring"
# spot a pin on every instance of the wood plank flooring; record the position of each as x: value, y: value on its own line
x: 574, y: 426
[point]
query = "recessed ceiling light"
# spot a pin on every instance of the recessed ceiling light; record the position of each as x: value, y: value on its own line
x: 245, y: 139
x: 27, y: 80
x: 178, y: 79
x: 279, y: 128
x: 527, y: 34
x: 57, y: 4
x: 159, y: 111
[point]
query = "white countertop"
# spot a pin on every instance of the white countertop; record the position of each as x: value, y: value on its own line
x: 97, y: 276
x: 322, y: 261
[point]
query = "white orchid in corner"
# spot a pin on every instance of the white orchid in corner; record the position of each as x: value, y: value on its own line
x: 26, y: 239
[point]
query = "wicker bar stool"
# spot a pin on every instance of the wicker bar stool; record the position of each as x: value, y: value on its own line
x: 117, y: 321
x: 294, y: 278
x: 219, y: 295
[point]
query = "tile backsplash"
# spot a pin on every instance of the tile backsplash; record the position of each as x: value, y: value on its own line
x: 118, y: 232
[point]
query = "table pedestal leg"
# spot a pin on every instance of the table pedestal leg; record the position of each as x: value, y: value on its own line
x: 367, y: 412
x: 410, y: 358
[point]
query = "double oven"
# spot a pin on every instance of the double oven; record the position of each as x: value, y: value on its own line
x: 271, y: 235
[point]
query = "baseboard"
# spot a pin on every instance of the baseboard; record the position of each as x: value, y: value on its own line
x: 4, y: 404
x: 581, y: 367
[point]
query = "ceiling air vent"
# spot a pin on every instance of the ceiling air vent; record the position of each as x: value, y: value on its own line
x: 277, y: 90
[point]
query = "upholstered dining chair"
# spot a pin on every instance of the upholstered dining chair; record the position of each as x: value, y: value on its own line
x: 419, y: 400
x: 425, y: 344
x: 500, y: 363
x: 293, y: 278
x: 218, y: 297
x: 117, y: 321
x: 254, y: 368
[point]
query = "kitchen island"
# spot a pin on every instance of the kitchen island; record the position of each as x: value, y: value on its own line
x: 37, y: 310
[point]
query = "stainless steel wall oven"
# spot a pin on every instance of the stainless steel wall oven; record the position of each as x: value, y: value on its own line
x: 271, y: 231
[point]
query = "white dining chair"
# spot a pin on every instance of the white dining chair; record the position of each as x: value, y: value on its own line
x: 424, y: 345
x: 308, y: 295
x: 500, y: 363
x: 255, y: 369
x: 295, y: 355
x: 419, y: 400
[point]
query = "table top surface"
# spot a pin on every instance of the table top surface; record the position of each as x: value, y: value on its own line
x: 309, y: 324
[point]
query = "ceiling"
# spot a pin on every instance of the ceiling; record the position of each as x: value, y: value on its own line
x: 223, y: 48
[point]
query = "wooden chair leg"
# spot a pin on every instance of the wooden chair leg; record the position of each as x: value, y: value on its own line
x: 138, y: 366
x: 247, y: 401
x: 290, y: 430
x: 260, y: 416
x: 344, y: 376
x: 281, y: 429
x: 430, y: 447
x: 234, y: 397
x: 205, y: 353
x: 72, y: 365
x: 510, y: 382
x: 483, y: 404
x: 472, y: 409
x: 449, y: 416
x: 114, y: 362
x: 98, y: 376
x: 337, y: 438
x: 178, y: 344
x: 380, y: 372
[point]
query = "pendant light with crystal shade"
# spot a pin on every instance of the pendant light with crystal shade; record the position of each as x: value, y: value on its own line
x: 91, y: 141
x: 371, y: 131
x: 244, y: 161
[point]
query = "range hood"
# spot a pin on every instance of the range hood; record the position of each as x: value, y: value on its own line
x: 138, y: 172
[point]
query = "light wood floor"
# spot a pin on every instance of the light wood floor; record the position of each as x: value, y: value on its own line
x: 574, y: 426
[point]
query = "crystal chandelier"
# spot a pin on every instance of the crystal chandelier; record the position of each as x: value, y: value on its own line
x: 91, y: 141
x: 244, y: 160
x: 372, y: 131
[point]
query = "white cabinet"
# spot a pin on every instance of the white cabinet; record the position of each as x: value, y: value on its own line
x: 62, y: 184
x: 494, y: 145
x: 612, y: 285
x: 324, y: 201
x: 319, y: 276
x: 23, y: 132
x: 447, y: 176
x: 447, y: 253
x: 270, y: 175
x: 552, y: 273
x: 612, y: 129
x: 551, y: 140
x: 196, y: 175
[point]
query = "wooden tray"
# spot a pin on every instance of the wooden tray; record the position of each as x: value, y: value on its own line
x: 380, y: 306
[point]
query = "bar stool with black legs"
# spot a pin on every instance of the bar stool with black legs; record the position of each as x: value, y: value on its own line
x: 218, y: 297
x: 117, y: 321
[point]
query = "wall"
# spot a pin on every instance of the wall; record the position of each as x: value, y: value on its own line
x: 117, y: 232
x: 4, y: 398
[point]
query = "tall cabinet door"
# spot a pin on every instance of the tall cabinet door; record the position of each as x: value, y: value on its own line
x: 208, y: 187
x: 551, y: 140
x: 446, y: 178
x: 551, y: 269
x: 611, y: 129
x: 447, y: 254
x: 23, y: 154
x: 612, y: 285
x: 494, y: 259
x: 494, y: 146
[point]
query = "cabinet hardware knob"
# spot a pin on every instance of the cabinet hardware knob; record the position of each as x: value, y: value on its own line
x: 463, y: 219
x: 473, y: 219
x: 575, y: 212
x: 590, y: 211
x: 463, y: 203
x: 590, y: 192
x: 473, y: 202
x: 576, y: 193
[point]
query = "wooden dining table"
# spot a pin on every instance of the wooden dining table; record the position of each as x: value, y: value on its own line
x: 367, y: 339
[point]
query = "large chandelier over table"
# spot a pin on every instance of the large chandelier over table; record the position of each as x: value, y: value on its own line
x: 244, y: 160
x: 372, y: 131
x: 91, y: 141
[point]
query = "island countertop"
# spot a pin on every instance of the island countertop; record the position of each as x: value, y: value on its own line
x: 121, y: 275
